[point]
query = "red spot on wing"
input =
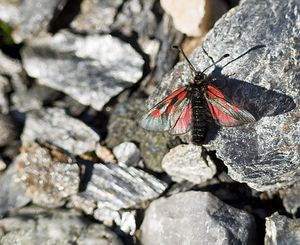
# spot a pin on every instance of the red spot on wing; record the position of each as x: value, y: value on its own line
x: 171, y: 109
x: 167, y: 102
x: 182, y: 95
x: 213, y: 92
x: 221, y: 116
x: 175, y: 93
x: 156, y: 113
x: 235, y: 108
x: 183, y: 121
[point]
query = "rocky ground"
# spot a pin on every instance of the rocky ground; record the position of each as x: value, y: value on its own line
x: 76, y: 167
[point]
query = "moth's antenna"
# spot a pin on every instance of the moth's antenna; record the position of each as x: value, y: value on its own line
x: 224, y: 56
x: 190, y: 64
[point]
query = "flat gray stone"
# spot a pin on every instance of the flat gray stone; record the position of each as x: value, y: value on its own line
x: 115, y: 188
x: 265, y: 155
x: 96, y: 15
x: 92, y: 69
x: 29, y: 24
x: 185, y: 162
x: 12, y: 195
x: 282, y: 230
x: 53, y: 125
x: 34, y: 225
x: 195, y: 218
x: 291, y: 198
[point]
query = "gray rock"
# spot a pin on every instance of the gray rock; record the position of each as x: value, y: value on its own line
x: 30, y: 24
x: 114, y: 188
x: 185, y: 162
x: 47, y: 175
x: 127, y: 153
x: 53, y: 125
x: 281, y: 230
x: 264, y: 155
x: 4, y: 103
x: 98, y: 234
x: 96, y: 15
x: 291, y: 199
x: 34, y: 225
x: 33, y: 98
x: 9, y: 129
x: 12, y: 195
x: 136, y: 16
x: 9, y: 12
x: 195, y: 218
x: 167, y: 56
x: 91, y: 69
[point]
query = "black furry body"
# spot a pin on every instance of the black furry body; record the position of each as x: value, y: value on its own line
x: 200, y: 114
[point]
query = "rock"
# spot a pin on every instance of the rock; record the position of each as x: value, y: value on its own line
x: 98, y: 234
x: 196, y: 17
x: 124, y: 126
x: 291, y: 199
x: 4, y: 103
x: 54, y: 126
x: 195, y: 218
x: 105, y: 154
x: 92, y: 69
x: 282, y: 230
x: 34, y: 98
x: 12, y: 195
x: 9, y: 12
x: 9, y: 129
x: 127, y: 153
x: 185, y: 162
x: 47, y: 175
x: 96, y: 15
x: 167, y: 56
x: 114, y: 187
x: 2, y: 164
x: 136, y: 16
x: 34, y: 225
x: 29, y: 24
x: 268, y: 89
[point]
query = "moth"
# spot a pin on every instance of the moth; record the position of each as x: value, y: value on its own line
x: 185, y: 109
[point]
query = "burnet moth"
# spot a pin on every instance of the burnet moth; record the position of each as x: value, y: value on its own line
x: 185, y: 109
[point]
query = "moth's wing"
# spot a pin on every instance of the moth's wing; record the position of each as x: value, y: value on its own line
x: 164, y: 115
x: 223, y: 111
x: 184, y: 122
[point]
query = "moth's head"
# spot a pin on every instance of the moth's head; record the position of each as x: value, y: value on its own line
x: 199, y: 77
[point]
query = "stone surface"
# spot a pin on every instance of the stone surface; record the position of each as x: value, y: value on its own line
x: 12, y: 195
x: 9, y: 129
x: 195, y: 17
x: 127, y: 153
x: 264, y: 155
x: 34, y: 225
x: 114, y: 188
x: 195, y: 218
x: 136, y: 16
x: 53, y: 125
x: 186, y: 162
x: 29, y: 23
x: 291, y: 199
x: 96, y: 15
x: 92, y: 69
x: 47, y: 175
x: 282, y: 230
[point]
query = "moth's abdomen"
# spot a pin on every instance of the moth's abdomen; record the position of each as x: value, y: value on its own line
x: 199, y: 117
